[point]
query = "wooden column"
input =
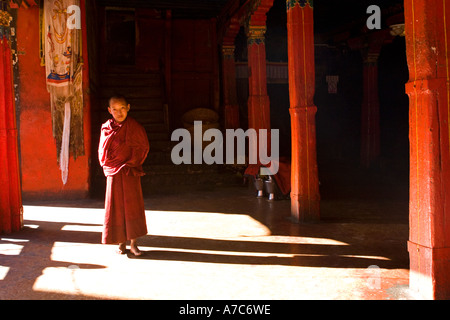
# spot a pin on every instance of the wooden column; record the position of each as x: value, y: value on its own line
x: 258, y: 101
x: 370, y: 111
x: 231, y: 107
x: 230, y: 104
x: 427, y: 27
x: 305, y: 197
x: 167, y: 68
x: 10, y: 190
x: 370, y: 46
x: 167, y: 53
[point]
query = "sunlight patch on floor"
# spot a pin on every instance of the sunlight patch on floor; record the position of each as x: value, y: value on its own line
x: 203, y: 224
x: 82, y: 228
x: 222, y: 266
x: 11, y: 247
x: 63, y: 214
x: 3, y: 272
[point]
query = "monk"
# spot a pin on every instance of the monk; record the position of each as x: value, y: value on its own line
x: 122, y: 150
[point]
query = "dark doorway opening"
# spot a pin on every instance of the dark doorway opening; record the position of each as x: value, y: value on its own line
x: 120, y: 37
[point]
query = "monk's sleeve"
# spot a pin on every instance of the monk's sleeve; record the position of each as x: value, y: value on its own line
x: 139, y: 145
x: 102, y: 147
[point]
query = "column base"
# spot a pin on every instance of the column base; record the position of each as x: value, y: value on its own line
x: 305, y: 196
x: 304, y: 210
x: 429, y: 276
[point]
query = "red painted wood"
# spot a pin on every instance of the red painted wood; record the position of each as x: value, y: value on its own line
x: 370, y: 46
x: 41, y: 176
x: 370, y: 114
x: 258, y: 101
x: 168, y: 57
x: 10, y: 190
x: 305, y: 197
x: 5, y: 211
x: 149, y: 44
x: 427, y: 25
x: 193, y: 66
x: 231, y: 107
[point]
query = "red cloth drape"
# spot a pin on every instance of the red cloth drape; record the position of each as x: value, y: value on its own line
x: 282, y: 177
x: 123, y: 146
x: 10, y: 190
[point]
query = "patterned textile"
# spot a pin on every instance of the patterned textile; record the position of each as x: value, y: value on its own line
x: 63, y: 66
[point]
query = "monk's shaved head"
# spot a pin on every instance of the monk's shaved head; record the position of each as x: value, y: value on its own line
x: 118, y: 108
x: 118, y: 98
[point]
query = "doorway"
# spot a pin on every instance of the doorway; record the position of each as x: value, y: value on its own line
x: 120, y: 34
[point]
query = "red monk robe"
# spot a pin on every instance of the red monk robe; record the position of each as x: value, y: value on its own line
x: 122, y: 150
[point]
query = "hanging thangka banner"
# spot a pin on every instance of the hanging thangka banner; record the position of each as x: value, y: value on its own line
x: 61, y: 48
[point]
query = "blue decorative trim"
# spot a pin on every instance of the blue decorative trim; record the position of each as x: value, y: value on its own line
x: 302, y: 3
x: 251, y: 41
x: 5, y: 20
x: 58, y: 78
x: 5, y: 33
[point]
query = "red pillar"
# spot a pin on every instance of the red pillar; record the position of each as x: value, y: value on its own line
x: 258, y: 101
x: 370, y: 112
x: 231, y: 107
x: 427, y: 26
x: 370, y: 46
x: 10, y: 190
x: 305, y: 197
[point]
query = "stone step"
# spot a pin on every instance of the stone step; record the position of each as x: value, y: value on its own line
x: 171, y: 182
x: 149, y: 103
x: 128, y: 69
x: 157, y: 157
x: 155, y: 128
x: 157, y: 136
x: 147, y: 116
x: 157, y: 133
x: 186, y: 178
x: 153, y: 103
x: 163, y: 169
x: 144, y: 93
x: 131, y: 92
x: 153, y: 124
x: 131, y: 80
x: 160, y: 145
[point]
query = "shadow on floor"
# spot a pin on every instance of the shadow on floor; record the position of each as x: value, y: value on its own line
x: 369, y: 221
x: 265, y: 253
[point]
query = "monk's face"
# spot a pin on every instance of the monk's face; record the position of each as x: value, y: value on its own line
x: 119, y: 110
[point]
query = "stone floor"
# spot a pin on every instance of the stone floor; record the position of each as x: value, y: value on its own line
x: 219, y: 242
